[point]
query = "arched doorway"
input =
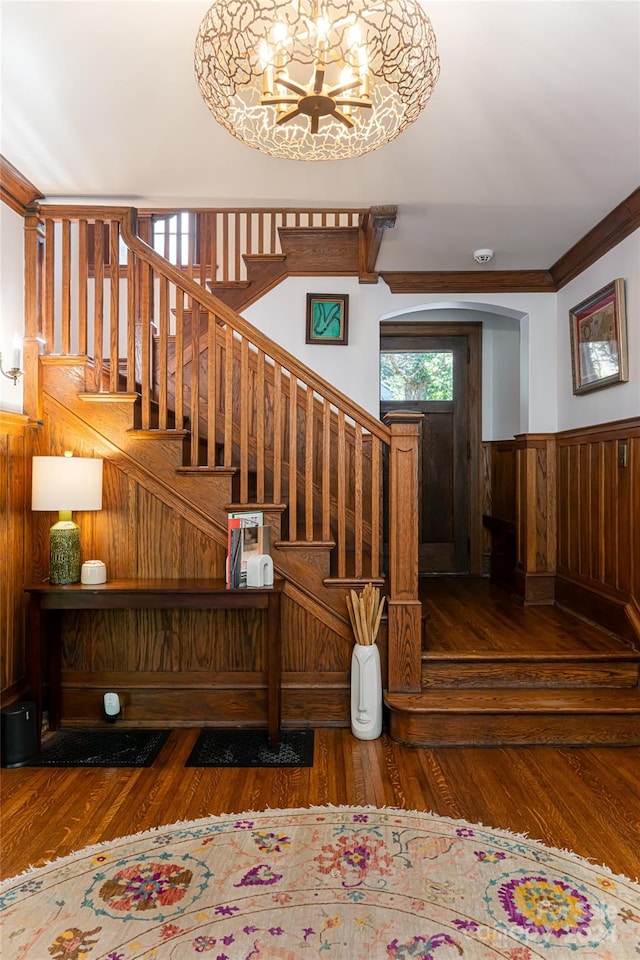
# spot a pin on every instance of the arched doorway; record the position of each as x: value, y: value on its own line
x: 472, y: 358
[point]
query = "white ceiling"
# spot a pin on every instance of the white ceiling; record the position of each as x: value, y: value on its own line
x: 531, y: 137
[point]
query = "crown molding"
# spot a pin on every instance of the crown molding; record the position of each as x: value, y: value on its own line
x: 469, y: 281
x: 15, y: 190
x: 612, y: 229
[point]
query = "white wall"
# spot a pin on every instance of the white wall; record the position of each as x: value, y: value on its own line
x: 516, y: 401
x: 620, y: 400
x: 11, y: 300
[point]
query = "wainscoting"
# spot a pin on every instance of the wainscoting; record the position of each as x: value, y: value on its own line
x: 573, y: 499
x: 598, y: 571
x: 15, y: 477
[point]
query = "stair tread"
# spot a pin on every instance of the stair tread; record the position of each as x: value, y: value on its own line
x: 490, y: 656
x: 520, y: 700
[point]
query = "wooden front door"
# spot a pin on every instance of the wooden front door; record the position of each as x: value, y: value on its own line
x: 430, y: 371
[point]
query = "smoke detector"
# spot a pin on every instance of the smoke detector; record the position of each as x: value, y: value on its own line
x: 482, y: 256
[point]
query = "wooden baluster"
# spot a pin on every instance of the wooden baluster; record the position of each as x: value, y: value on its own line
x: 293, y: 457
x: 131, y: 322
x: 167, y: 239
x: 225, y: 247
x: 114, y: 309
x: 248, y: 244
x: 212, y: 360
x: 277, y: 433
x: 146, y: 281
x: 341, y: 505
x: 326, y: 470
x: 65, y: 291
x: 214, y: 245
x: 261, y: 232
x: 192, y: 242
x: 308, y: 464
x: 178, y: 353
x: 260, y: 415
x: 98, y: 305
x: 194, y: 399
x: 160, y: 375
x: 202, y: 221
x: 238, y: 246
x: 273, y: 235
x: 83, y: 272
x: 244, y: 421
x: 49, y: 285
x: 357, y: 499
x: 145, y: 232
x: 228, y: 397
x: 376, y: 518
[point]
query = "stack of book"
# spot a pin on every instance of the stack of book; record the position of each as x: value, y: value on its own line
x: 247, y: 536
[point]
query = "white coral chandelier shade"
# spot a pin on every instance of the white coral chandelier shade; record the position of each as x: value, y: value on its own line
x: 313, y: 80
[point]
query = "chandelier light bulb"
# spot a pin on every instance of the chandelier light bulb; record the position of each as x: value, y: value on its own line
x: 274, y: 73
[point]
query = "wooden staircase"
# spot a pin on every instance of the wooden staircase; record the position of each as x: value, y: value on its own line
x: 495, y: 673
x: 198, y: 419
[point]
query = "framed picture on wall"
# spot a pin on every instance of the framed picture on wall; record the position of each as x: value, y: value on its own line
x: 327, y: 318
x: 599, y: 339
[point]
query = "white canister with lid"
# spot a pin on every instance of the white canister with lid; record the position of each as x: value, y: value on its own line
x: 93, y: 571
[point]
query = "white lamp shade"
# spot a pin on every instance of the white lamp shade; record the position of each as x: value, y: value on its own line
x: 66, y: 483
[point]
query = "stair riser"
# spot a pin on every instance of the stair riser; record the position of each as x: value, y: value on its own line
x: 505, y: 675
x: 477, y: 730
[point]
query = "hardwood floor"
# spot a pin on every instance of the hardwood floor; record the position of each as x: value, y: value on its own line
x: 471, y: 615
x: 586, y: 799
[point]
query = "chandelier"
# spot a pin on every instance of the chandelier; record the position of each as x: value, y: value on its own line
x: 313, y: 80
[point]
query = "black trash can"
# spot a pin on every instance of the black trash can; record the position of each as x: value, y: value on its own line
x: 19, y: 740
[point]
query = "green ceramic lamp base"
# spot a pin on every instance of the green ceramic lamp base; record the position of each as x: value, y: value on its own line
x: 64, y: 539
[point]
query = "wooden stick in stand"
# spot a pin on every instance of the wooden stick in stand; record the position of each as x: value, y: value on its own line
x: 365, y: 613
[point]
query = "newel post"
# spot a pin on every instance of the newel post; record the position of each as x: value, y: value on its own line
x: 404, y: 608
x: 33, y: 344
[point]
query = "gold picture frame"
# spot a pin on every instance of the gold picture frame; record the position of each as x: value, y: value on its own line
x: 327, y: 318
x: 599, y: 339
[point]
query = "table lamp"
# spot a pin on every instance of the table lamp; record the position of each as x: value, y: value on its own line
x: 64, y: 484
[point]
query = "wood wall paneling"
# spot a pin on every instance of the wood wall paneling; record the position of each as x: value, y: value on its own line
x: 499, y: 508
x: 15, y: 446
x: 178, y: 667
x: 599, y: 523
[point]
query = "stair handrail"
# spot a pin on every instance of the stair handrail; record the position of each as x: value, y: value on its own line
x: 127, y: 217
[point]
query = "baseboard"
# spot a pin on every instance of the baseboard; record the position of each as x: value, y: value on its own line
x: 620, y: 615
x: 534, y: 588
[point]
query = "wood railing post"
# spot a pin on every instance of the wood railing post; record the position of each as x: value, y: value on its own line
x: 404, y: 612
x: 536, y: 523
x: 33, y: 344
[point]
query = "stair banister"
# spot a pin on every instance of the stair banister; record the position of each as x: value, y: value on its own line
x: 211, y: 303
x: 402, y: 438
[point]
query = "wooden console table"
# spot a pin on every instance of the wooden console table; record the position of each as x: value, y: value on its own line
x: 50, y: 601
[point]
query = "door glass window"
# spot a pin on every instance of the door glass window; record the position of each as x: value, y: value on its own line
x: 420, y: 375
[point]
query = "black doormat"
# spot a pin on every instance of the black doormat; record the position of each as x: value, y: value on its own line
x: 250, y: 748
x: 101, y: 748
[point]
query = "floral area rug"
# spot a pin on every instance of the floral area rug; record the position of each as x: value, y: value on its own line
x: 349, y: 883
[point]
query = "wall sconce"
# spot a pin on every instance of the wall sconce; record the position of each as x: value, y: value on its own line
x: 14, y: 372
x: 64, y: 484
